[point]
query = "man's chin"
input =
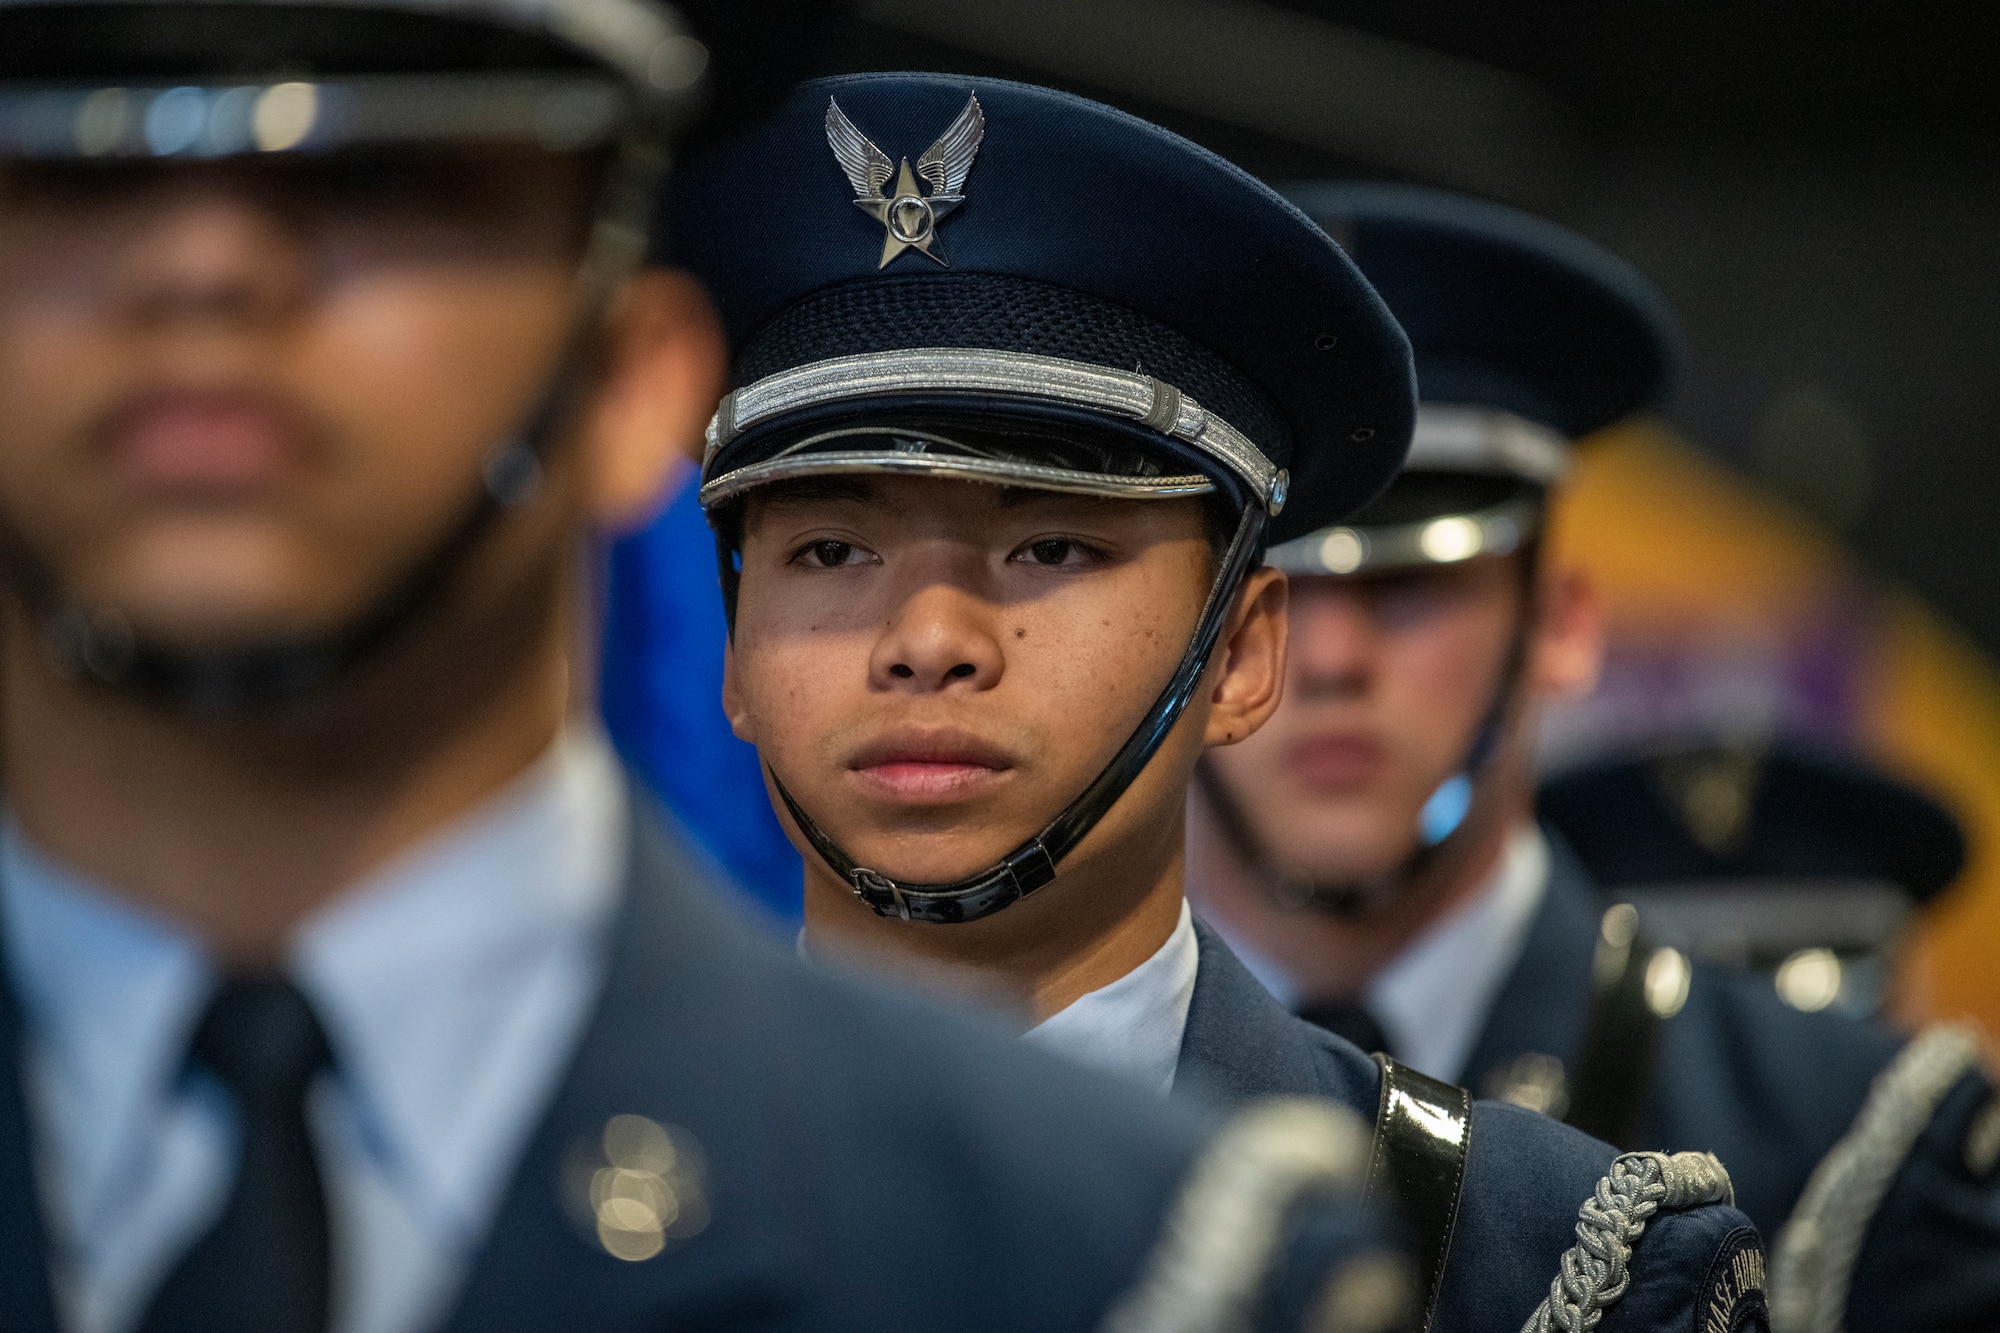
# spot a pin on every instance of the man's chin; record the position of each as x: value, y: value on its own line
x: 1348, y: 844
x: 210, y: 630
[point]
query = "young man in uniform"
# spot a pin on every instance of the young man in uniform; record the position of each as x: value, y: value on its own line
x: 1011, y: 430
x: 345, y: 984
x: 1374, y: 850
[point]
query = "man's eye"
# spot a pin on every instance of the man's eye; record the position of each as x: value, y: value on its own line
x: 828, y: 554
x: 1057, y: 551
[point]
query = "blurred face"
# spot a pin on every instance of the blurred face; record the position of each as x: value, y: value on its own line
x: 1388, y: 679
x: 243, y: 396
x: 936, y: 668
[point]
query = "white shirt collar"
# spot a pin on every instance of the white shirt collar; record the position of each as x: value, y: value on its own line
x: 1432, y: 1000
x: 112, y: 992
x: 416, y: 974
x: 426, y: 975
x: 1134, y: 1025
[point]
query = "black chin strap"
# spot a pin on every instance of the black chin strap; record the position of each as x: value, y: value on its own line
x: 102, y: 647
x: 1033, y: 864
x: 1359, y: 898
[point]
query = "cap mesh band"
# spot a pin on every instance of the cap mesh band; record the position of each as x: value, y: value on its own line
x: 1009, y: 314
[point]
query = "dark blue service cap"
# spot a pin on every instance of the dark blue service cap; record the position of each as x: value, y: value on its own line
x: 1047, y: 263
x: 1506, y: 310
x: 1784, y: 814
x: 215, y: 78
x: 1526, y: 336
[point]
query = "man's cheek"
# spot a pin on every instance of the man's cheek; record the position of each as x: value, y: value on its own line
x: 783, y: 702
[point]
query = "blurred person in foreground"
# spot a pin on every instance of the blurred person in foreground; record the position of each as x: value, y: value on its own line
x: 347, y: 983
x: 1374, y: 850
x: 991, y: 498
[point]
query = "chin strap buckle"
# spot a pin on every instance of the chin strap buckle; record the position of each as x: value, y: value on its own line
x: 879, y: 892
x: 1026, y: 870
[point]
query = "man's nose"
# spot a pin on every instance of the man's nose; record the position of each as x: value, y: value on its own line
x: 214, y: 260
x: 1334, y: 641
x: 941, y: 637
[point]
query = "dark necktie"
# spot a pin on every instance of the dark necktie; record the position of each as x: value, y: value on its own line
x: 263, y: 1267
x: 1346, y: 1019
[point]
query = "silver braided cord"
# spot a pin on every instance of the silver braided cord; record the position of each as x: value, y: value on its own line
x: 1812, y: 1264
x: 1595, y: 1272
x: 1225, y: 1230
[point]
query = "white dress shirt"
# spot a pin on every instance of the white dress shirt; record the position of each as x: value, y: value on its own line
x: 1433, y: 998
x: 1134, y: 1025
x: 453, y: 986
x: 1432, y: 1001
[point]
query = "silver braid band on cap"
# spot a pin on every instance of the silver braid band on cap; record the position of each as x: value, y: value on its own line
x: 1812, y: 1264
x: 1596, y: 1270
x: 982, y: 371
x: 1226, y: 1228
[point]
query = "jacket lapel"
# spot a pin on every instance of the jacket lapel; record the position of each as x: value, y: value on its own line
x: 27, y: 1301
x: 1544, y: 1005
x: 680, y: 1004
x: 1240, y: 1042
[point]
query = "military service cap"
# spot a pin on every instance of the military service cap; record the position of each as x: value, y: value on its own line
x: 1783, y: 811
x: 1526, y: 337
x: 1777, y: 855
x: 1046, y: 259
x: 210, y: 78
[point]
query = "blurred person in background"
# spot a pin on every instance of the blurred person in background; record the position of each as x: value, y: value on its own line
x: 346, y: 982
x: 991, y: 495
x: 1374, y: 850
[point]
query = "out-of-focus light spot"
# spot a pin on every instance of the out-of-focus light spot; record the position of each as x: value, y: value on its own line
x: 676, y: 64
x: 1342, y: 551
x: 1982, y: 1141
x: 1369, y: 1292
x: 175, y: 120
x: 1620, y: 923
x: 100, y: 122
x: 638, y: 1144
x: 650, y: 1192
x: 228, y: 127
x: 1536, y: 1082
x: 284, y: 116
x: 1667, y: 978
x: 1445, y: 810
x: 1614, y: 944
x: 1809, y: 980
x: 1446, y: 540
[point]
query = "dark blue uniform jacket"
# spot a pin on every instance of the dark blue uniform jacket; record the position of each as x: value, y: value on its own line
x: 1770, y: 1090
x: 872, y: 1165
x: 1526, y: 1175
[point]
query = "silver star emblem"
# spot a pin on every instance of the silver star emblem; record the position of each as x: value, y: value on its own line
x: 909, y: 217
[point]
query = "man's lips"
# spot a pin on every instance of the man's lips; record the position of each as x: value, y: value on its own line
x: 203, y: 441
x: 931, y: 766
x: 1335, y: 759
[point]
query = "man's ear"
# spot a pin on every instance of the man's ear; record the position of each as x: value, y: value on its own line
x: 1568, y: 649
x: 732, y: 697
x: 667, y: 360
x: 1252, y: 654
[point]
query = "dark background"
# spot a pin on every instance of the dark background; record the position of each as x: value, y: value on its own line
x: 1815, y: 185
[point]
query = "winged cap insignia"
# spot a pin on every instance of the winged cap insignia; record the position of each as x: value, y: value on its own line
x: 909, y: 217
